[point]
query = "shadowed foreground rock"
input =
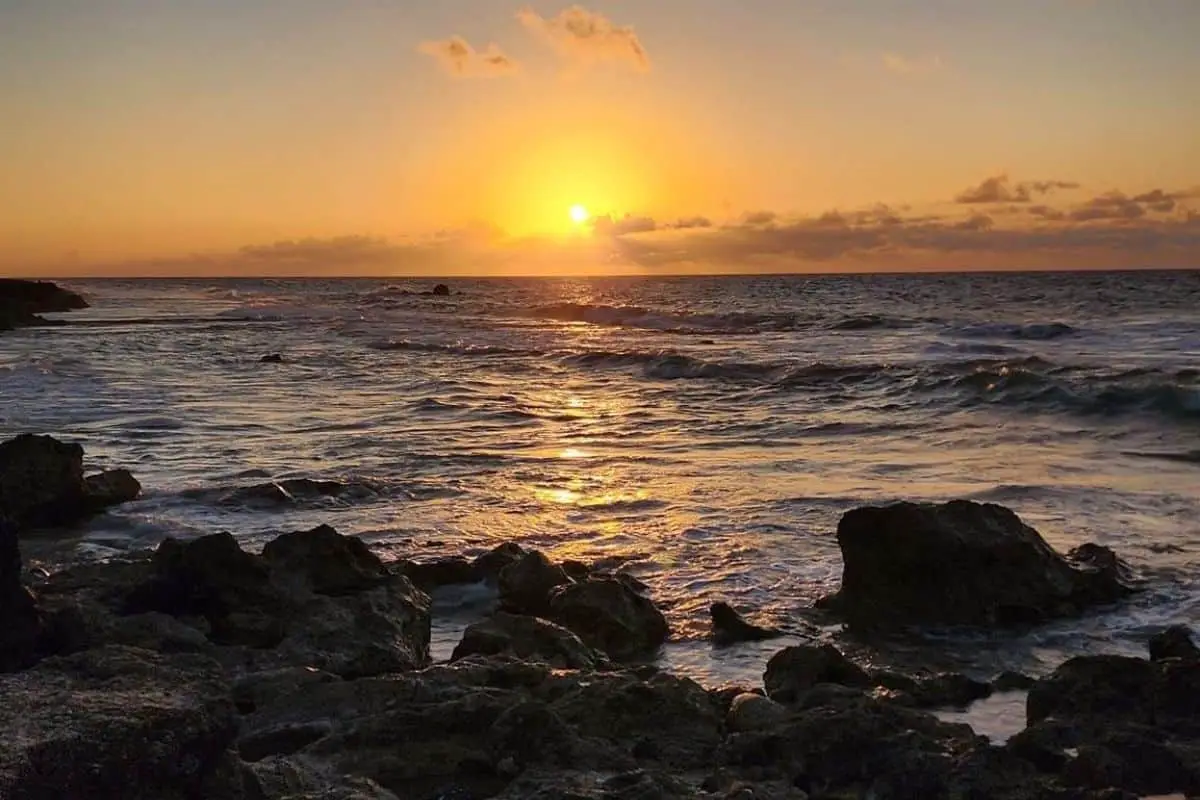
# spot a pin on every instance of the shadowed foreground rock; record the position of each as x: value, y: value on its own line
x: 42, y: 483
x: 962, y: 563
x: 20, y: 619
x: 527, y: 638
x: 610, y: 615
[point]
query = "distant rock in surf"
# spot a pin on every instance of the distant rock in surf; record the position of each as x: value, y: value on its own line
x: 728, y: 627
x: 963, y: 563
x: 271, y: 358
x: 21, y: 301
x: 441, y: 290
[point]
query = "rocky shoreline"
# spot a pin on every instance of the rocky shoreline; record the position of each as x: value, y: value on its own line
x: 205, y: 671
x: 22, y: 301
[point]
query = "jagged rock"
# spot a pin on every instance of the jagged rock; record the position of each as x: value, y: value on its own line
x: 962, y: 563
x: 271, y: 358
x: 1009, y: 681
x: 1174, y: 642
x: 431, y: 575
x: 115, y: 722
x: 298, y: 778
x: 261, y: 689
x: 325, y: 561
x: 636, y: 784
x: 942, y: 690
x: 377, y: 631
x: 41, y: 481
x: 793, y: 671
x: 526, y: 638
x: 21, y: 301
x: 21, y: 624
x: 488, y: 566
x: 212, y: 577
x: 607, y: 614
x: 728, y: 626
x: 441, y: 290
x: 753, y: 712
x: 525, y: 584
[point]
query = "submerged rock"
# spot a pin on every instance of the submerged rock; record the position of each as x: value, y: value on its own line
x: 441, y: 290
x: 117, y: 722
x: 729, y: 628
x: 526, y: 638
x: 42, y: 483
x: 609, y: 615
x: 1174, y: 642
x: 962, y: 563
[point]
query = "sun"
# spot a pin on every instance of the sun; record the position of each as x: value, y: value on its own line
x: 579, y: 214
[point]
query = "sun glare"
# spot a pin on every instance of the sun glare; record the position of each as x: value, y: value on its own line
x: 579, y: 214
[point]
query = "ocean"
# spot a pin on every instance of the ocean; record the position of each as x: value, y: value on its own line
x: 705, y: 433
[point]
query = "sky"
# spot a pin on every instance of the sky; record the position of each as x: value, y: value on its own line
x: 262, y: 137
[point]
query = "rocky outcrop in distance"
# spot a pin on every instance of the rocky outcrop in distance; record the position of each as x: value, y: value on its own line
x: 21, y: 302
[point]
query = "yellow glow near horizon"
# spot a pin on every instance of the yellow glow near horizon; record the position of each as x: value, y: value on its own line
x: 579, y: 214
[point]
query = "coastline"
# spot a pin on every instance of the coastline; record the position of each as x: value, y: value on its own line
x: 305, y: 672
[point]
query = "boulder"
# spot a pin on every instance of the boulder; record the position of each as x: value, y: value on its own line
x: 526, y: 583
x: 441, y: 290
x: 431, y: 575
x: 526, y: 638
x: 488, y: 566
x: 793, y: 671
x: 324, y: 561
x: 110, y: 488
x: 753, y: 712
x: 607, y: 614
x: 21, y: 301
x: 1174, y: 642
x: 20, y: 618
x: 271, y: 358
x: 962, y: 563
x: 299, y: 778
x: 941, y: 690
x: 116, y: 722
x: 729, y: 628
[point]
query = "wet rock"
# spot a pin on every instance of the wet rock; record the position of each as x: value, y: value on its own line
x: 383, y: 629
x: 607, y: 614
x: 115, y: 722
x: 430, y: 575
x: 793, y: 671
x: 1106, y: 689
x: 753, y: 712
x: 441, y: 290
x: 526, y: 638
x: 271, y: 358
x: 962, y: 563
x: 525, y: 584
x: 41, y: 481
x: 1134, y: 759
x: 324, y: 561
x: 154, y: 631
x: 21, y: 301
x: 943, y: 690
x: 212, y: 577
x: 728, y: 627
x: 299, y: 778
x: 488, y: 566
x: 1174, y: 642
x: 110, y: 488
x: 1009, y: 681
x: 20, y: 619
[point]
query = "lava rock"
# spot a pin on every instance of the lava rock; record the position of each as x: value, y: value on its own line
x: 325, y: 561
x: 526, y: 584
x: 728, y: 626
x: 962, y: 563
x: 753, y: 712
x: 942, y: 690
x: 793, y: 671
x: 609, y: 615
x: 526, y: 638
x: 110, y: 488
x: 1174, y: 642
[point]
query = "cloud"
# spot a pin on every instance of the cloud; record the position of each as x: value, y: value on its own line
x: 588, y: 38
x: 905, y: 65
x: 605, y: 225
x: 690, y: 222
x: 760, y: 218
x: 998, y: 189
x: 1111, y: 206
x: 460, y: 59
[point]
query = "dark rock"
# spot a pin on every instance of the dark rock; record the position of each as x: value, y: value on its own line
x: 300, y: 778
x: 41, y: 481
x: 488, y: 566
x: 441, y: 290
x: 794, y: 670
x: 1103, y: 689
x: 610, y: 616
x: 526, y: 638
x: 110, y: 488
x: 430, y: 575
x: 324, y: 561
x: 115, y: 722
x: 728, y: 626
x: 262, y: 689
x: 1131, y: 758
x: 1174, y: 642
x: 1009, y: 681
x: 212, y: 577
x: 962, y: 563
x: 21, y: 301
x: 943, y: 690
x: 525, y: 584
x: 753, y: 712
x: 293, y: 491
x: 21, y: 624
x: 272, y: 358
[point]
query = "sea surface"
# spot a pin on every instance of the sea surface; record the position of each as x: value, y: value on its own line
x: 705, y: 433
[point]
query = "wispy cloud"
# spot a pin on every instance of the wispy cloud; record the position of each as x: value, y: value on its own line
x: 912, y: 65
x: 460, y: 59
x: 587, y: 37
x: 999, y: 189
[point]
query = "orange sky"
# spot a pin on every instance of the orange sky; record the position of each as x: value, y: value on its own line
x: 304, y: 137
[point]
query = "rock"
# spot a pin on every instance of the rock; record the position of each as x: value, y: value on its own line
x: 21, y: 301
x: 1103, y: 689
x: 299, y: 778
x: 729, y: 627
x: 610, y: 616
x: 961, y: 563
x: 381, y: 630
x: 110, y: 488
x: 41, y: 481
x: 256, y: 690
x: 526, y: 638
x: 292, y: 491
x: 525, y: 584
x: 1009, y: 681
x: 324, y: 561
x: 115, y: 722
x: 942, y: 690
x: 158, y: 632
x: 753, y: 712
x: 20, y: 619
x: 795, y: 670
x: 431, y: 575
x: 212, y: 577
x: 1174, y: 642
x: 441, y: 290
x: 271, y: 358
x: 488, y: 566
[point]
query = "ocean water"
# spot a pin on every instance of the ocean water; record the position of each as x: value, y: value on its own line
x: 705, y: 433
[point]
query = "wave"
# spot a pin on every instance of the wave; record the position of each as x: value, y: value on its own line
x: 732, y: 322
x: 1034, y: 331
x: 456, y: 348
